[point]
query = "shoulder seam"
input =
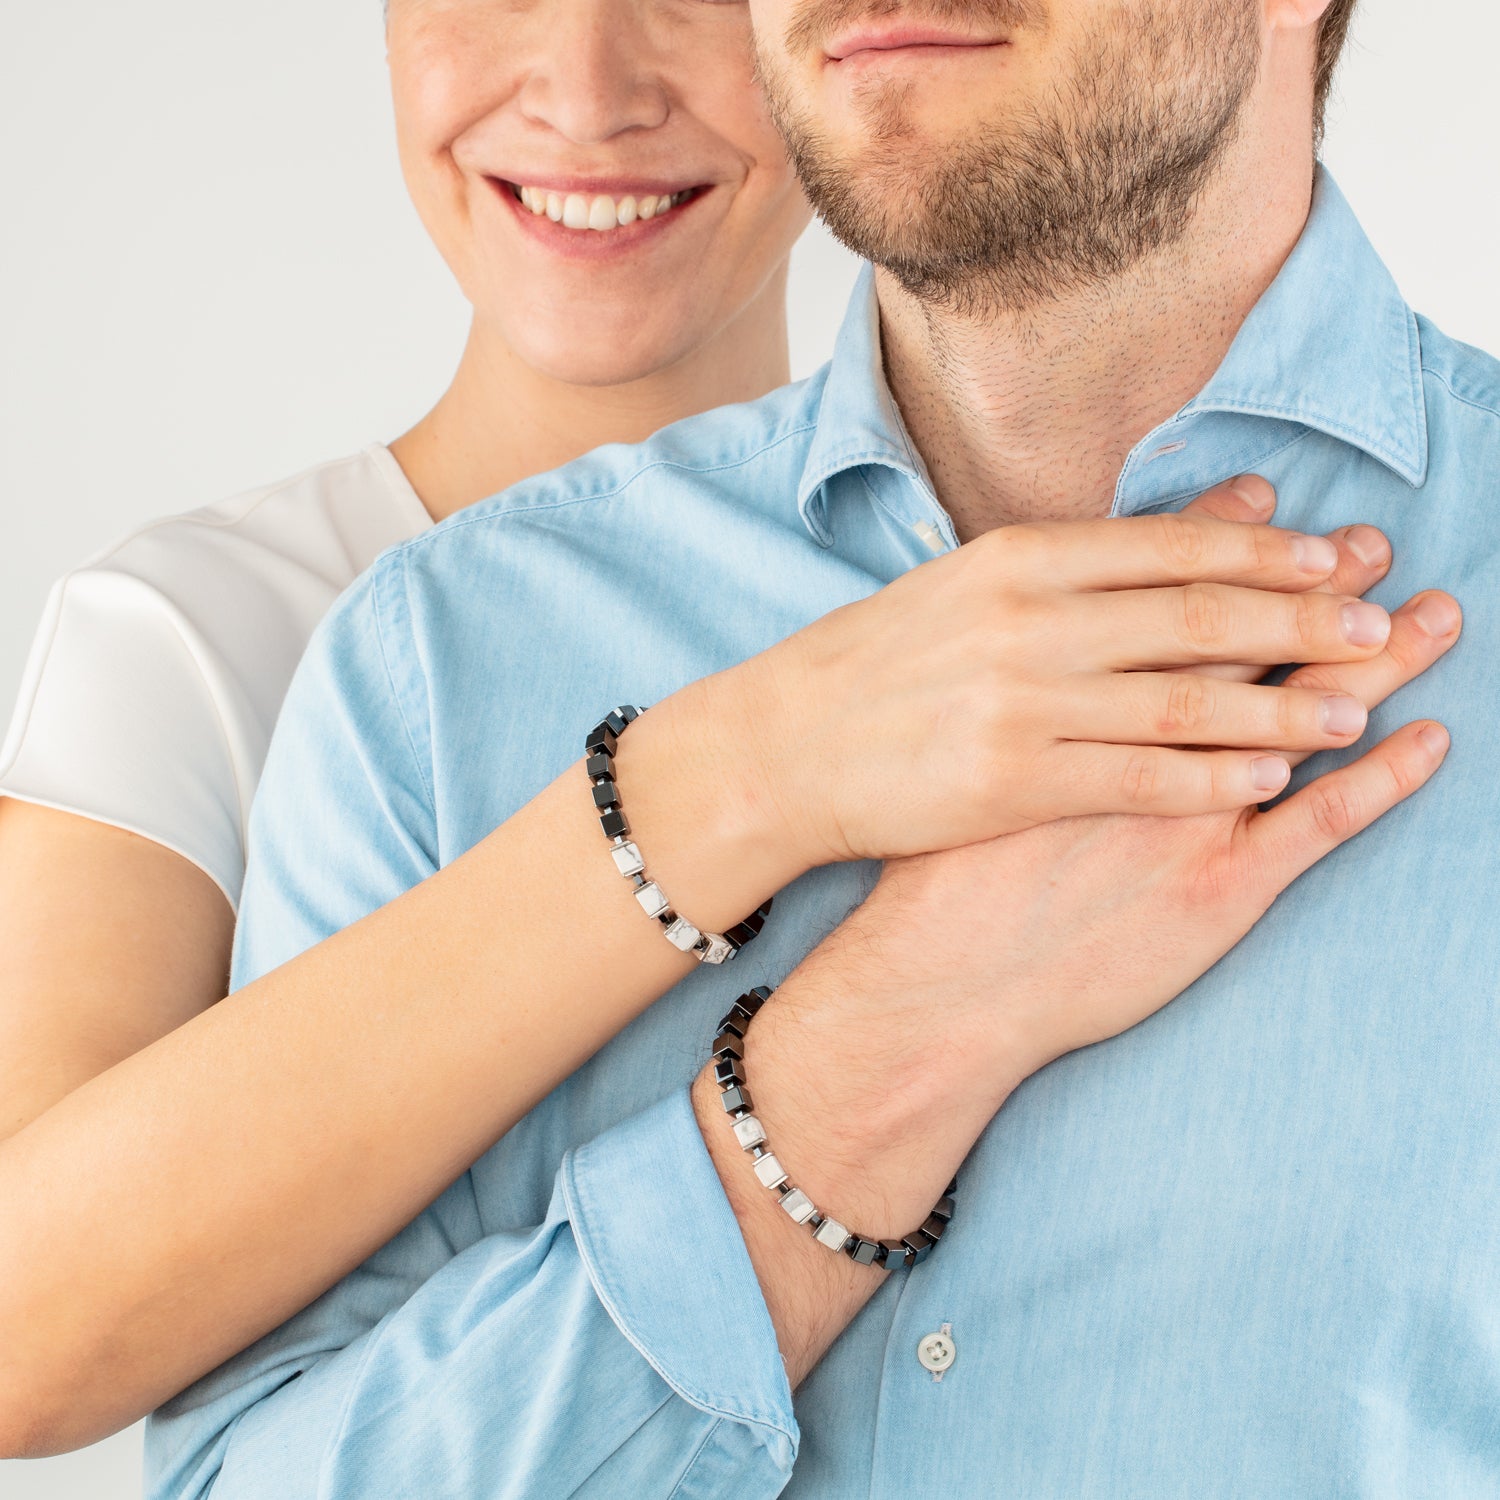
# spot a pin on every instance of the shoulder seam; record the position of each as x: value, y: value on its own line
x: 1461, y: 396
x: 490, y: 510
x: 378, y: 579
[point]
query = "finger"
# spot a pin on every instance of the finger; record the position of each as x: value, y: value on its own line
x: 1153, y: 551
x: 1364, y: 559
x: 1159, y: 627
x: 1295, y: 835
x: 1186, y: 708
x: 1246, y: 498
x: 1422, y: 630
x: 1102, y: 778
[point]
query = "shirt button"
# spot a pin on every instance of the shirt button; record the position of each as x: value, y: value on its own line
x: 936, y: 1352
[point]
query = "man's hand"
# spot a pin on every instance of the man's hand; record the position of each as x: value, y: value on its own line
x: 968, y: 969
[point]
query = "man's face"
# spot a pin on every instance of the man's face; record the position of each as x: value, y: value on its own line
x: 992, y: 153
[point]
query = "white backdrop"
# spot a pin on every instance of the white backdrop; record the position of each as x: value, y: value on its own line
x: 210, y: 277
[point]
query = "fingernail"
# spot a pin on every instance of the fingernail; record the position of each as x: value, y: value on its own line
x: 1368, y: 545
x: 1269, y: 773
x: 1315, y: 554
x: 1255, y: 492
x: 1437, y: 616
x: 1365, y: 624
x: 1434, y: 738
x: 1342, y: 714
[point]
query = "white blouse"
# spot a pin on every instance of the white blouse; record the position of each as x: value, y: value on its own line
x: 161, y: 663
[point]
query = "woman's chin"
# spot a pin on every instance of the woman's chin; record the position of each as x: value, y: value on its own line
x: 604, y: 357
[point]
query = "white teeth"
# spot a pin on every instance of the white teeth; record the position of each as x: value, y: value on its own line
x: 600, y: 212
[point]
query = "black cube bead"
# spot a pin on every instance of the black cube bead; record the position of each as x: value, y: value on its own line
x: 933, y: 1227
x: 729, y: 1070
x: 728, y: 1044
x: 863, y: 1252
x: 616, y: 720
x: 614, y: 822
x: 601, y: 737
x: 943, y: 1208
x: 630, y: 713
x: 735, y: 1098
x: 606, y: 794
x: 919, y: 1244
x: 896, y: 1254
x: 599, y: 764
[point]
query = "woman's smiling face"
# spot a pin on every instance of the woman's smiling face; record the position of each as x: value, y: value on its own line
x: 639, y: 124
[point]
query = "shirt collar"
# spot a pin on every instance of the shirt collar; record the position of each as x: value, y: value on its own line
x: 858, y: 422
x: 1330, y: 346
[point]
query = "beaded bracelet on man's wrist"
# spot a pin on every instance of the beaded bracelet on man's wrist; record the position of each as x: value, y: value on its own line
x: 734, y: 1094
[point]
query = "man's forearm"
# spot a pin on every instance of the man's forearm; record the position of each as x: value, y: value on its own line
x: 869, y: 1107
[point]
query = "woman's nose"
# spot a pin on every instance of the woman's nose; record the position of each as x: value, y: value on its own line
x: 596, y: 72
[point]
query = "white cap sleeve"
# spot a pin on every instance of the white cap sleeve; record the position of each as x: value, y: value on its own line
x: 117, y: 720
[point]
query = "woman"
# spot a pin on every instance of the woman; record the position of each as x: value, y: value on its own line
x: 134, y: 1097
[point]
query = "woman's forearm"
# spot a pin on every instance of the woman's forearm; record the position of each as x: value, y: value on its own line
x: 173, y: 1209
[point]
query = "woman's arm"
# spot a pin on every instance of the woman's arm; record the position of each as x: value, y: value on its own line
x: 226, y: 1166
x: 93, y: 969
x: 171, y: 1210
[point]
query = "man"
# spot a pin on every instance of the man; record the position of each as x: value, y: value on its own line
x: 1246, y: 1248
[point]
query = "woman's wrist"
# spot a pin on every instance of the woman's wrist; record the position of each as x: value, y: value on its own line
x: 693, y: 783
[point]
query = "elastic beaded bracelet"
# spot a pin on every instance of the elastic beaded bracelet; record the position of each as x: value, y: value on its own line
x: 706, y: 947
x: 729, y: 1069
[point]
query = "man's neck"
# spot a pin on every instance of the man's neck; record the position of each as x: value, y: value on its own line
x: 501, y: 420
x: 1029, y: 416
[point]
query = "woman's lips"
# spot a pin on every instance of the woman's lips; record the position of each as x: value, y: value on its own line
x: 591, y: 224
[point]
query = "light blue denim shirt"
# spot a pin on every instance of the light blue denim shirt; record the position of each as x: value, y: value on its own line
x: 1249, y: 1248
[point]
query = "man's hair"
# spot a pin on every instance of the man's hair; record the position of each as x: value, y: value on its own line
x: 1333, y: 32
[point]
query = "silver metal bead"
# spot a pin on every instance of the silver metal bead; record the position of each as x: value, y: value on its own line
x: 653, y: 901
x: 798, y: 1205
x: 749, y: 1132
x: 770, y: 1171
x: 831, y: 1233
x: 627, y: 858
x: 682, y: 934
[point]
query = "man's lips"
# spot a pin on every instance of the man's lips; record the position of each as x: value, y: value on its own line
x: 898, y: 38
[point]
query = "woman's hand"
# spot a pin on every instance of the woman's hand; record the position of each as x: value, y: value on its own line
x: 1029, y: 675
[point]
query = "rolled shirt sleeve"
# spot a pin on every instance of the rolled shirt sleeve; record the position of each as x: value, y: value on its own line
x: 619, y: 1346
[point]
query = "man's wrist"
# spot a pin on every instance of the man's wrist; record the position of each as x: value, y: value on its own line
x: 870, y: 1090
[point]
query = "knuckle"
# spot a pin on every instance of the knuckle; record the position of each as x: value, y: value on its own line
x: 1288, y: 714
x: 1334, y: 810
x: 1205, y: 617
x: 1309, y: 613
x: 1141, y: 780
x: 1403, y: 776
x: 1325, y: 679
x: 1190, y: 706
x: 1014, y: 550
x: 1183, y: 541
